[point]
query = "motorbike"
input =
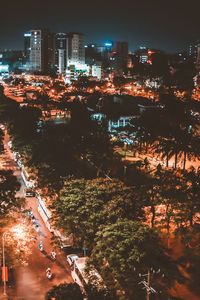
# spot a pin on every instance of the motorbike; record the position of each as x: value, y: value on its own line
x: 49, y: 274
x: 41, y: 246
x: 53, y: 255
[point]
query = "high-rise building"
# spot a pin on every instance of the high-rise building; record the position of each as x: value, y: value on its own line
x: 120, y: 49
x: 76, y: 49
x: 41, y: 50
x: 119, y: 57
x: 96, y: 71
x: 193, y: 48
x: 61, y: 52
x: 198, y: 58
x: 27, y: 47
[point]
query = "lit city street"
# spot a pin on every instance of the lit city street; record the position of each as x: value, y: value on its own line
x: 31, y: 281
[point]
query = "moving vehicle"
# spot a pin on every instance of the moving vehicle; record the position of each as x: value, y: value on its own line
x: 41, y: 246
x: 53, y: 255
x: 49, y: 274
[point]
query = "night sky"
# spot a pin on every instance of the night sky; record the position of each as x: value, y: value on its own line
x: 167, y: 25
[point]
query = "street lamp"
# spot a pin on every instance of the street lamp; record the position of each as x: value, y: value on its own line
x: 18, y: 233
x: 4, y: 267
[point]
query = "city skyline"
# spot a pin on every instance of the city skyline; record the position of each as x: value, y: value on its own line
x: 167, y: 27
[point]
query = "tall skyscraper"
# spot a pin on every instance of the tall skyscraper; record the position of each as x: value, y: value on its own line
x: 41, y: 50
x: 120, y: 49
x: 61, y: 52
x: 198, y: 58
x: 27, y: 47
x: 76, y: 49
x: 119, y: 57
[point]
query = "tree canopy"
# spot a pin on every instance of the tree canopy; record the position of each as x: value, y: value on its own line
x: 65, y: 291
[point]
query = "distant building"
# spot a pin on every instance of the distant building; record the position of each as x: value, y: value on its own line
x: 12, y: 59
x: 119, y: 57
x: 76, y: 49
x: 41, y: 50
x: 61, y: 52
x: 198, y: 58
x: 96, y: 71
x: 27, y: 47
x: 192, y: 51
x: 120, y: 49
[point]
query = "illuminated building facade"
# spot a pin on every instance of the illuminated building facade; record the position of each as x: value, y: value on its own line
x: 27, y: 47
x: 119, y: 57
x: 198, y: 58
x: 193, y: 49
x: 96, y: 71
x: 41, y: 50
x: 61, y: 52
x: 76, y: 49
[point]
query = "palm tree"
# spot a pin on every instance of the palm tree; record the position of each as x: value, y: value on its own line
x: 164, y: 147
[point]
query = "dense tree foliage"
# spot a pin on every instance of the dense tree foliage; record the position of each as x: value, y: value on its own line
x: 84, y: 205
x: 65, y: 291
x: 8, y: 188
x: 127, y: 248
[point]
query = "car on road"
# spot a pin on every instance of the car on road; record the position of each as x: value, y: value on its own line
x: 29, y: 192
x: 19, y: 163
x: 16, y: 156
x: 71, y: 258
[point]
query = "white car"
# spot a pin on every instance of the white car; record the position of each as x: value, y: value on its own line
x: 19, y: 163
x: 10, y: 144
x: 71, y: 258
x: 16, y: 156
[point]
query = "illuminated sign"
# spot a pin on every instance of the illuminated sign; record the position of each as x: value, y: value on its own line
x: 27, y: 34
x: 4, y: 68
x: 150, y: 52
x: 108, y: 44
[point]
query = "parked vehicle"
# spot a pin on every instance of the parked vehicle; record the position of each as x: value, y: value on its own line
x: 16, y: 156
x: 71, y: 258
x: 19, y: 163
x: 10, y: 144
x: 81, y: 277
x: 63, y: 241
x: 53, y: 255
x: 28, y: 192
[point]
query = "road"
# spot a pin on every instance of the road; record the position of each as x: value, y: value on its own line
x: 31, y: 281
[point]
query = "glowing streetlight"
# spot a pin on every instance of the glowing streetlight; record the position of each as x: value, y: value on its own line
x: 20, y: 234
x: 4, y: 265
